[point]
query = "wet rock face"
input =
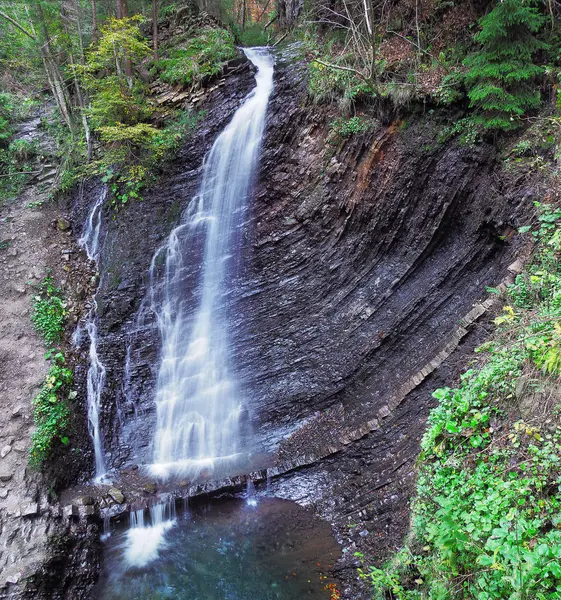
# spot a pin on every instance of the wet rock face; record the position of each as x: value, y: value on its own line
x: 360, y: 257
x: 364, y: 256
x: 129, y: 239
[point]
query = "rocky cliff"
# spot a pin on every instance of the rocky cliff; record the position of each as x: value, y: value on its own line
x: 366, y: 261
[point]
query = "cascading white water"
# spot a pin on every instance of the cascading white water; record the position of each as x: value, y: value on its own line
x: 144, y: 540
x: 96, y: 371
x: 199, y: 408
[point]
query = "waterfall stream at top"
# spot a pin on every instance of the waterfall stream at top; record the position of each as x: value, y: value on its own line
x: 200, y: 409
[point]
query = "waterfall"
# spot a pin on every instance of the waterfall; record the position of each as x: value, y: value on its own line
x: 144, y: 540
x: 250, y: 495
x: 89, y: 240
x: 200, y: 409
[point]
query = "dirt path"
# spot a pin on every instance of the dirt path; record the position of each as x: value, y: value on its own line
x: 31, y: 242
x: 25, y: 254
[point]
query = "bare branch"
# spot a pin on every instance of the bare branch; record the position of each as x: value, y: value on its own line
x: 420, y: 49
x: 16, y: 24
x: 341, y: 68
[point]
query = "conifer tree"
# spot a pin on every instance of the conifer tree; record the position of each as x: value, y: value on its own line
x: 502, y: 75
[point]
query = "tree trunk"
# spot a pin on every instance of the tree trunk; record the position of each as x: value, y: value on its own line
x: 288, y: 12
x: 122, y: 9
x: 51, y: 68
x: 123, y: 13
x: 155, y: 27
x: 94, y: 21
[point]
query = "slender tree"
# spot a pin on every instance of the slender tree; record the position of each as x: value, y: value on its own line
x: 94, y: 21
x: 155, y: 27
x: 52, y: 70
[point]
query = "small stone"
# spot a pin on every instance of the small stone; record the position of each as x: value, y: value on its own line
x: 84, y: 501
x: 63, y: 224
x: 29, y: 510
x: 117, y: 495
x: 13, y: 578
x: 363, y: 533
x: 12, y: 251
x: 17, y: 412
x: 88, y: 511
x: 20, y: 446
x: 70, y: 511
x: 5, y: 475
x: 384, y: 411
x: 3, y: 493
x: 150, y: 488
x: 5, y: 451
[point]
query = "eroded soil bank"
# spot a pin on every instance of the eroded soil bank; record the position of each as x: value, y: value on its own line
x: 366, y: 262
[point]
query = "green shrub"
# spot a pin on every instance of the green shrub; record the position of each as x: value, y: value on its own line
x: 343, y: 128
x: 49, y: 312
x: 23, y: 150
x: 486, y: 518
x: 122, y: 114
x: 252, y: 35
x: 6, y: 109
x: 328, y: 85
x: 51, y: 412
x: 128, y: 178
x: 202, y: 56
x: 502, y: 74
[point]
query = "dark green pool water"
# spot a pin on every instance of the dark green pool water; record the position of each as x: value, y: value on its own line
x: 226, y: 550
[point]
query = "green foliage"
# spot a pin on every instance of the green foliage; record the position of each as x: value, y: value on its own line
x: 343, y: 128
x: 502, y: 74
x: 202, y: 56
x: 486, y: 518
x: 15, y: 167
x: 49, y: 311
x: 152, y: 146
x: 6, y: 109
x: 122, y: 114
x: 327, y: 85
x: 117, y: 98
x: 252, y: 35
x: 167, y: 11
x: 14, y: 155
x: 51, y: 412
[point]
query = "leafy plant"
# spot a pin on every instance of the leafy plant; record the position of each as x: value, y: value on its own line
x: 343, y: 128
x: 51, y: 412
x: 49, y: 311
x: 327, y: 85
x: 6, y: 109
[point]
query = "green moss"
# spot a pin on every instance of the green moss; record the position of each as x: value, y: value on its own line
x: 202, y: 56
